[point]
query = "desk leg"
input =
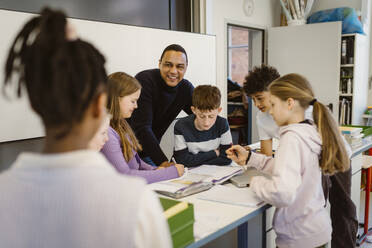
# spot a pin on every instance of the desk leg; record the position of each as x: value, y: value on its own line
x: 243, y: 235
x: 366, y: 206
x: 252, y: 233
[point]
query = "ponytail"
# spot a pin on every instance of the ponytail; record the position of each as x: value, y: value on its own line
x: 333, y: 157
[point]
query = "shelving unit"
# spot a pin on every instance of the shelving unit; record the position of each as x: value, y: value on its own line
x: 353, y: 79
x: 238, y: 123
x: 235, y: 103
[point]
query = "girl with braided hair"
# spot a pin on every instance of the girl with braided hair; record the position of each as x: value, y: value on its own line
x: 69, y: 195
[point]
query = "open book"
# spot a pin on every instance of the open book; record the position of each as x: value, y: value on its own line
x: 196, y: 180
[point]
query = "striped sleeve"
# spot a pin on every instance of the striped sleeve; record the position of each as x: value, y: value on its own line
x: 226, y: 138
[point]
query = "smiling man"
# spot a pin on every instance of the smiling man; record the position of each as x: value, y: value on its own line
x: 164, y: 94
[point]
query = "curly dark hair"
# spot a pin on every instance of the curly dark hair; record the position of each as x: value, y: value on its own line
x: 259, y: 79
x: 62, y: 77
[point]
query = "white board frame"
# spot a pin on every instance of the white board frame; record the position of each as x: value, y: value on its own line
x: 126, y: 48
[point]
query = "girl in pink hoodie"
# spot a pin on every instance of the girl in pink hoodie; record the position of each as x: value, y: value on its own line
x: 306, y: 150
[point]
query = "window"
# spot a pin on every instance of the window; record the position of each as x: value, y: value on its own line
x: 245, y: 50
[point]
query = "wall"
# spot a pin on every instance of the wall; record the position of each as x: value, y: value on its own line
x: 365, y: 7
x: 330, y: 4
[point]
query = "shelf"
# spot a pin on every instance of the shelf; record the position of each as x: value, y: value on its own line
x: 238, y: 126
x: 347, y: 65
x: 367, y: 116
x: 348, y: 35
x: 346, y: 77
x: 346, y: 94
x: 235, y: 103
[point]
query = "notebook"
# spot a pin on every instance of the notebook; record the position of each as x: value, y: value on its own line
x: 196, y: 180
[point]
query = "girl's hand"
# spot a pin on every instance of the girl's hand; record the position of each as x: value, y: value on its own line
x: 238, y: 154
x: 217, y: 151
x: 165, y: 164
x: 180, y: 169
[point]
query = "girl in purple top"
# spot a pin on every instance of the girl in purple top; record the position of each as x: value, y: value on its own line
x: 122, y: 145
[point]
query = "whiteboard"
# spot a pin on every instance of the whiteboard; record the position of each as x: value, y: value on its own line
x: 127, y: 48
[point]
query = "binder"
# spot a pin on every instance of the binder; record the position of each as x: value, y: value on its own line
x: 180, y: 222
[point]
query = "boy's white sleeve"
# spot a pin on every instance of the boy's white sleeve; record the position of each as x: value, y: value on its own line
x: 280, y: 190
x: 226, y: 138
x: 262, y: 134
x: 152, y: 228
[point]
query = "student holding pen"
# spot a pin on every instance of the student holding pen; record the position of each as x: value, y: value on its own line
x: 69, y: 195
x: 306, y: 150
x: 122, y: 145
x: 337, y: 186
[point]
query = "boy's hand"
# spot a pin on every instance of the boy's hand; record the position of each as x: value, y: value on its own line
x: 180, y: 169
x: 238, y: 154
x: 217, y: 152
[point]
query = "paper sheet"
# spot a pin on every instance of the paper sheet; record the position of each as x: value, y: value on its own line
x: 231, y: 195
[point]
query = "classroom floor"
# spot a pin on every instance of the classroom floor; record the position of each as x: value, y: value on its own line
x: 361, y: 218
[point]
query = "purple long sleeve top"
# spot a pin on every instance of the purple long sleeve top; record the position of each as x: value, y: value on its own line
x: 136, y: 166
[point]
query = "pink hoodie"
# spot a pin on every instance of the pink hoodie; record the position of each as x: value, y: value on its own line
x: 295, y: 188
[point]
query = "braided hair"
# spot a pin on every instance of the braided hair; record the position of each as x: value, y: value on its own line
x: 62, y: 77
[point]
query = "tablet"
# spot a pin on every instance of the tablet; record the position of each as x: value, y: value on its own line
x: 244, y: 179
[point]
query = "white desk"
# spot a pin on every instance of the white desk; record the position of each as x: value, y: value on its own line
x: 213, y: 219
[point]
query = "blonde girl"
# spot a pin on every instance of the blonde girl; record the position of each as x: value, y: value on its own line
x: 122, y: 145
x: 306, y: 149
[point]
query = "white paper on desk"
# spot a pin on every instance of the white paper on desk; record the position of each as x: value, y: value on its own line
x: 231, y: 195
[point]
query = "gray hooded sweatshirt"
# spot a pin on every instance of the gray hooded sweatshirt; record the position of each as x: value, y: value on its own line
x: 295, y: 188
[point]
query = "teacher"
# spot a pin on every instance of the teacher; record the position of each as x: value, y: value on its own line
x: 164, y: 94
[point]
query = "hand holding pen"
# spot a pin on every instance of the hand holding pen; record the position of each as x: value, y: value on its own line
x: 180, y: 167
x: 238, y: 154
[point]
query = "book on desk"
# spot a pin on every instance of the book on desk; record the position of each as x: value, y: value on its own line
x: 196, y: 180
x: 180, y: 218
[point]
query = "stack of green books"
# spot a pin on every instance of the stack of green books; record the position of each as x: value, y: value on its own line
x: 180, y: 217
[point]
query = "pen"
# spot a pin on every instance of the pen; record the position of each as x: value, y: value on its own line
x: 173, y: 160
